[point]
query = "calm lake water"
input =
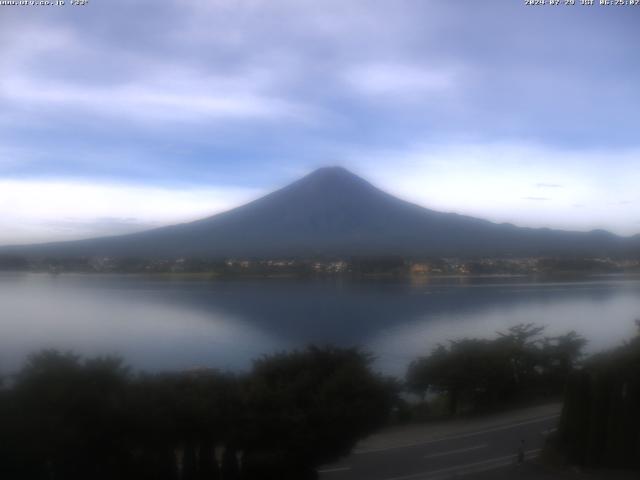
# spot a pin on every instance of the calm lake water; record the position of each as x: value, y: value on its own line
x: 160, y: 323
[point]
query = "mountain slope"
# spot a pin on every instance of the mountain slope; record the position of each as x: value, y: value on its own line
x: 334, y: 212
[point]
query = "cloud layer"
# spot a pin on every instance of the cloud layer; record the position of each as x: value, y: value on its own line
x: 246, y: 94
x: 85, y: 209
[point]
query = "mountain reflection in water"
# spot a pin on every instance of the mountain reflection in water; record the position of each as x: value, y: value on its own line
x: 164, y: 323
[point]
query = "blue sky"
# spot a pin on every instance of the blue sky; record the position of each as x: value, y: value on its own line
x: 119, y: 116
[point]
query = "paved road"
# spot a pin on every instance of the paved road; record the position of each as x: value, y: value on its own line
x: 482, y: 448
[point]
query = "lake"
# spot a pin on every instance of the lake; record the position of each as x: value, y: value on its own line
x: 159, y: 323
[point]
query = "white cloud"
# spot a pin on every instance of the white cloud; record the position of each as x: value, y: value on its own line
x: 204, y: 74
x: 154, y: 101
x: 46, y: 210
x: 398, y: 79
x: 497, y: 182
x: 142, y: 87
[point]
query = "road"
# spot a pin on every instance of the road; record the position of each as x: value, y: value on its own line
x: 470, y: 449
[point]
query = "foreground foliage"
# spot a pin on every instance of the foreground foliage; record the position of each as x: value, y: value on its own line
x: 68, y: 418
x: 600, y: 423
x: 479, y: 374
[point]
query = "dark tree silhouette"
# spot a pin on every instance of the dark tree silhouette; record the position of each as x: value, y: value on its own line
x: 69, y: 418
x: 307, y: 408
x: 600, y: 422
x: 477, y: 374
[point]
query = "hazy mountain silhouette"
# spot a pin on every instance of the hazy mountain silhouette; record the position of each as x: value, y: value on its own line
x: 334, y: 212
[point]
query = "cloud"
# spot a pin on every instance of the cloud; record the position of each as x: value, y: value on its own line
x: 399, y: 79
x: 77, y: 227
x: 443, y: 103
x: 289, y: 61
x: 46, y: 210
x: 497, y: 181
x: 153, y: 101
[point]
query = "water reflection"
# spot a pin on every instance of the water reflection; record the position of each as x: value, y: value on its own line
x: 102, y: 317
x: 158, y: 323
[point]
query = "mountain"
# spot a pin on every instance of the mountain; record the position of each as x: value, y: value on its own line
x: 334, y: 212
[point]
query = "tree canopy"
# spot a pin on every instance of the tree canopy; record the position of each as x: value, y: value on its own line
x: 476, y: 374
x: 69, y: 418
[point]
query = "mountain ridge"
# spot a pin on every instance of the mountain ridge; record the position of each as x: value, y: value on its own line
x: 332, y: 211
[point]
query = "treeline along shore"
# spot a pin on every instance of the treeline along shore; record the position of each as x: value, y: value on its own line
x: 65, y: 417
x: 363, y: 266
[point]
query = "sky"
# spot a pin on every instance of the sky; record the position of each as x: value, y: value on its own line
x: 119, y: 116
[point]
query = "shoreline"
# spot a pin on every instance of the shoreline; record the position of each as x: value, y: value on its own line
x: 346, y: 277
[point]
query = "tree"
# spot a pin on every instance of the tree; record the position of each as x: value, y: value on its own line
x: 477, y: 374
x: 560, y: 356
x: 309, y: 407
x: 72, y: 418
x: 600, y: 422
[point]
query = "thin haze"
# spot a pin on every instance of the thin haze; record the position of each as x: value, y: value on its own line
x: 119, y: 116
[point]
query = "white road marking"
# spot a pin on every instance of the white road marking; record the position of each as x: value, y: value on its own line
x: 467, y: 469
x: 333, y: 470
x: 456, y: 437
x: 549, y: 431
x: 459, y: 450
